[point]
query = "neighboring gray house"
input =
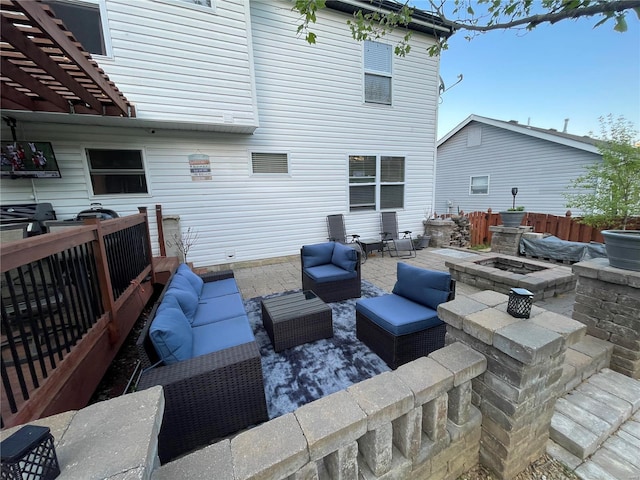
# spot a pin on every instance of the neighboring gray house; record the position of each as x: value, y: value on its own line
x: 481, y: 159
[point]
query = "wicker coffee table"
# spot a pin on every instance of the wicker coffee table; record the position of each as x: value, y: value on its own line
x: 296, y: 318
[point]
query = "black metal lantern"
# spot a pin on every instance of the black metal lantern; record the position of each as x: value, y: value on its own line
x: 514, y: 192
x: 29, y: 454
x: 520, y: 301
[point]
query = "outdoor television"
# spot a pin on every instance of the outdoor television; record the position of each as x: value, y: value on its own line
x: 24, y: 159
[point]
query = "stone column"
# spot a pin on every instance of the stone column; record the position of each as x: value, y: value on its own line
x: 440, y: 232
x: 518, y: 391
x: 608, y: 303
x: 507, y: 239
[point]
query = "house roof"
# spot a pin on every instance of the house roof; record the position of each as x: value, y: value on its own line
x: 44, y: 68
x: 422, y: 21
x: 585, y: 143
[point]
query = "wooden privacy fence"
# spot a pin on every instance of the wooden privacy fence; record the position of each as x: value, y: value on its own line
x: 564, y: 227
x: 69, y: 300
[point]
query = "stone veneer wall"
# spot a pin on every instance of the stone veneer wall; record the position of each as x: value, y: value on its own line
x: 507, y: 239
x: 608, y: 303
x: 440, y: 232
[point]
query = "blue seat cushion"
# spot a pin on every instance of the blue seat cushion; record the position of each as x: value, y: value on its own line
x: 181, y: 289
x: 426, y: 287
x: 170, y: 333
x: 398, y: 315
x: 219, y: 288
x: 218, y: 308
x: 317, y: 254
x: 195, y: 280
x: 344, y: 257
x: 329, y: 273
x: 220, y: 335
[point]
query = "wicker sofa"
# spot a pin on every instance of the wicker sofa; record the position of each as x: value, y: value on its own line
x: 201, y: 350
x: 404, y: 325
x: 331, y: 270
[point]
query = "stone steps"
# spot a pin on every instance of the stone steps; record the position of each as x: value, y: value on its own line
x: 595, y: 429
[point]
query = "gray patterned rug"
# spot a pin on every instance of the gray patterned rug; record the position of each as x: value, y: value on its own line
x: 301, y: 374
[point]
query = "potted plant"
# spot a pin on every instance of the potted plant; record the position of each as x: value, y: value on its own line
x: 609, y: 192
x: 513, y: 216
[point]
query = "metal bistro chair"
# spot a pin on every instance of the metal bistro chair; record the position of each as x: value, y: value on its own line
x: 395, y: 245
x: 338, y: 233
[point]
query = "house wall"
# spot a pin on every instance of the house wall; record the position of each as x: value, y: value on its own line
x: 310, y: 99
x: 183, y: 64
x: 540, y: 169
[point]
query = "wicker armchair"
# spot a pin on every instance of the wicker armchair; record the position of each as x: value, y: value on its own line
x: 333, y: 290
x: 206, y: 397
x: 400, y: 329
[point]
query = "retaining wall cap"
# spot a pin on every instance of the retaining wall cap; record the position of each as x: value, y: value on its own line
x: 426, y: 378
x: 464, y: 362
x: 565, y: 326
x: 275, y: 449
x: 527, y: 342
x: 58, y: 425
x: 213, y: 461
x: 330, y: 423
x: 383, y: 398
x: 123, y: 430
x: 490, y: 298
x: 453, y: 312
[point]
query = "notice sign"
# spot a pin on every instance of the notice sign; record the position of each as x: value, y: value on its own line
x: 200, y: 167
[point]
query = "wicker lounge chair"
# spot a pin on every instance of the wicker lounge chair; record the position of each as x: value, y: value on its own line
x: 337, y: 288
x: 206, y: 397
x: 393, y: 243
x: 404, y: 325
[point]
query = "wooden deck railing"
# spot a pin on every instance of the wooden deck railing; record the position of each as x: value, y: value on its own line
x: 69, y: 299
x: 564, y: 227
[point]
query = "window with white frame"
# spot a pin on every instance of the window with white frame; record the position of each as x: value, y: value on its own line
x: 203, y: 5
x: 479, y: 185
x: 277, y: 163
x: 377, y: 72
x: 376, y: 182
x: 86, y: 19
x: 115, y: 172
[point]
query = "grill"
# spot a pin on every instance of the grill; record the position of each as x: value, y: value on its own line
x: 96, y: 211
x: 33, y: 213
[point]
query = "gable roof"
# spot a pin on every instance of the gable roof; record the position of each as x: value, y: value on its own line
x: 585, y: 143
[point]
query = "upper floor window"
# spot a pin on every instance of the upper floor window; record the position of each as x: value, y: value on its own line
x: 202, y: 3
x: 479, y: 185
x: 377, y: 72
x: 269, y: 163
x: 86, y: 19
x: 376, y: 183
x: 116, y: 171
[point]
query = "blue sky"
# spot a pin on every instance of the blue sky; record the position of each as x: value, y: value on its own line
x: 567, y: 70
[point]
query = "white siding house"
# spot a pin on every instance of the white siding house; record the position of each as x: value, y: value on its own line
x: 283, y: 124
x: 482, y: 159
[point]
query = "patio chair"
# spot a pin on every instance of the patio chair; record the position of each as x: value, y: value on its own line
x: 338, y: 233
x: 404, y: 325
x: 395, y: 245
x: 331, y: 271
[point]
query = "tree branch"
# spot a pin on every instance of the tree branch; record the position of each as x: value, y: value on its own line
x: 535, y: 20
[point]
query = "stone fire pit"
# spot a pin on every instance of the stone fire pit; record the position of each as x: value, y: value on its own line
x: 503, y: 272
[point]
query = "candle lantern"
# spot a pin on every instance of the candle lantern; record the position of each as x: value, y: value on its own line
x: 29, y: 454
x: 520, y: 301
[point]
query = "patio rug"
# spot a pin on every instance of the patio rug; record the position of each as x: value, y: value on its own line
x: 301, y: 374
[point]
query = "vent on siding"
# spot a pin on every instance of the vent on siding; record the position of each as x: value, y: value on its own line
x: 269, y: 163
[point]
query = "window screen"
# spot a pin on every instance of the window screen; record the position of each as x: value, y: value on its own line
x: 269, y: 163
x: 479, y: 185
x: 83, y: 20
x: 377, y: 76
x: 116, y: 171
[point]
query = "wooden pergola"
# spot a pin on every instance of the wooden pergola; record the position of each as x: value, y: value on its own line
x: 45, y: 69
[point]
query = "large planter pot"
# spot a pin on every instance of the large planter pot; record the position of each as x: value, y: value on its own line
x: 512, y: 219
x: 623, y: 248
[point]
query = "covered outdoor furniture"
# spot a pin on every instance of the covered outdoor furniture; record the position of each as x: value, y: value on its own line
x: 393, y: 243
x: 331, y: 270
x: 198, y: 345
x: 404, y: 325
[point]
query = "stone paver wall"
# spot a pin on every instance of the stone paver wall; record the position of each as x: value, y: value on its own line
x: 608, y: 303
x: 518, y: 391
x: 507, y: 239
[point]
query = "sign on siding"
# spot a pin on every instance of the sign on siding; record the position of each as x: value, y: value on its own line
x: 200, y: 167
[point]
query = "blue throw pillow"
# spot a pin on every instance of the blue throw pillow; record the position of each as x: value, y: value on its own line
x: 170, y: 333
x: 183, y: 291
x: 426, y: 287
x: 195, y: 280
x: 317, y: 254
x: 344, y: 257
